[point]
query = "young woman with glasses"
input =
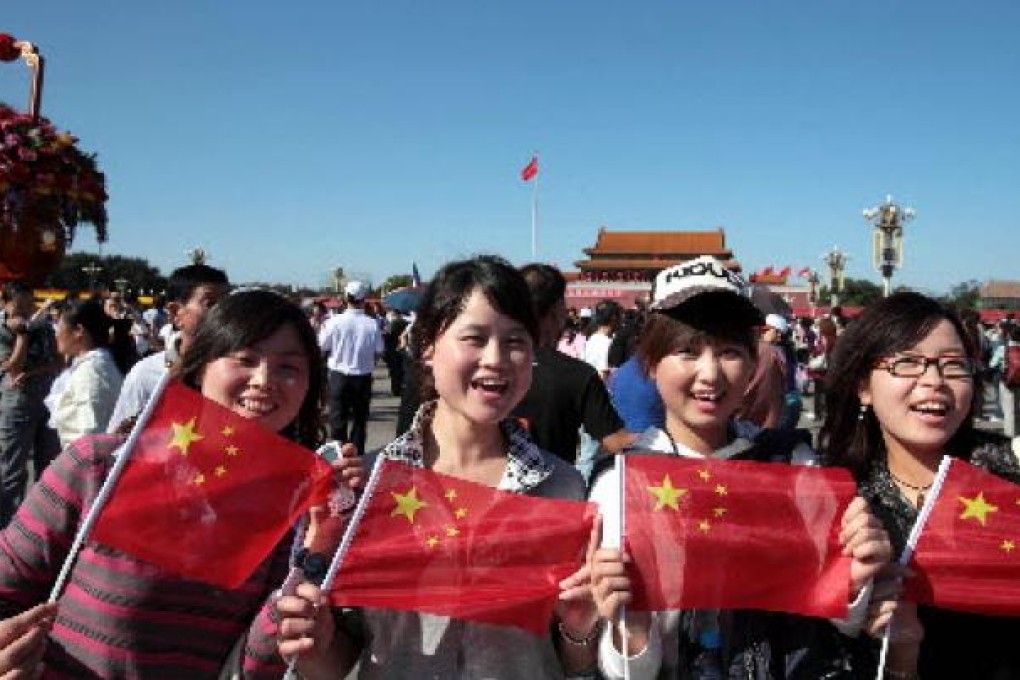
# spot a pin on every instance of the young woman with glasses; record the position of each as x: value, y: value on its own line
x: 902, y: 388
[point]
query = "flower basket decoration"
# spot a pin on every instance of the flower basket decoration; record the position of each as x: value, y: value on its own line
x: 47, y: 184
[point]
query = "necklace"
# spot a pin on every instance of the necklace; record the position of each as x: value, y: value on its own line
x: 920, y: 490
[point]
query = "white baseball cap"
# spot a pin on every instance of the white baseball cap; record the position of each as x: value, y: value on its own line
x: 356, y: 290
x: 708, y: 281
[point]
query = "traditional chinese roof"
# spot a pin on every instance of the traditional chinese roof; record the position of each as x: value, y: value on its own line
x: 680, y: 245
x: 657, y: 263
x: 1000, y: 289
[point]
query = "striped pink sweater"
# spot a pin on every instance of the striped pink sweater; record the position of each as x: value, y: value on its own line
x: 120, y: 617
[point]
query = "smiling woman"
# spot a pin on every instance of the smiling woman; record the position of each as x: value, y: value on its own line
x: 901, y: 396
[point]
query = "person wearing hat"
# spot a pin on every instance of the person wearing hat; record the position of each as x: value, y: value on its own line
x: 352, y: 341
x: 699, y: 346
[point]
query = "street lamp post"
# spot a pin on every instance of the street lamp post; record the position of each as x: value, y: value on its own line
x: 887, y: 246
x: 91, y: 270
x: 836, y: 261
x: 813, y: 279
x: 121, y: 285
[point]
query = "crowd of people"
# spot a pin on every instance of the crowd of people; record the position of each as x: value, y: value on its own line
x: 501, y: 384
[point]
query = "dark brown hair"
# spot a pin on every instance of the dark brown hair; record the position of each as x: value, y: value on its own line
x: 663, y: 335
x: 891, y: 325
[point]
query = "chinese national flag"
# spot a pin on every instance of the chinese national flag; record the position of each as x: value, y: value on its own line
x: 785, y: 271
x: 804, y: 272
x: 713, y: 534
x: 967, y: 558
x: 530, y: 170
x: 208, y: 494
x: 437, y: 544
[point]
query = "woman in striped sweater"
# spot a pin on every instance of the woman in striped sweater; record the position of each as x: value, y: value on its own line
x: 120, y: 617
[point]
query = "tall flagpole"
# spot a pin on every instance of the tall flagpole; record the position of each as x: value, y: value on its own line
x: 534, y: 213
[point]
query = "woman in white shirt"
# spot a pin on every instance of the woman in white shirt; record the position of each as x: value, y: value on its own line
x: 99, y: 353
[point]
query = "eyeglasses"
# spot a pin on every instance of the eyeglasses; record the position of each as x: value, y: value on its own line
x: 913, y: 366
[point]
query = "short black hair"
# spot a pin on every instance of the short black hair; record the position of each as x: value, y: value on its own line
x: 12, y: 289
x: 184, y: 281
x: 546, y: 285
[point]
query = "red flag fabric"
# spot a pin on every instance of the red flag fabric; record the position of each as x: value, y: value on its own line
x: 713, y: 534
x: 208, y: 494
x: 768, y: 271
x: 785, y: 271
x: 433, y: 543
x: 804, y: 272
x: 530, y: 170
x: 967, y: 557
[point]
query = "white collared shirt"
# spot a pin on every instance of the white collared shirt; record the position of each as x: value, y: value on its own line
x: 82, y: 398
x: 352, y: 340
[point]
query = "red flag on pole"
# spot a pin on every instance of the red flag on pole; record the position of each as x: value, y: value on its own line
x: 804, y: 272
x: 967, y: 556
x: 785, y: 271
x: 711, y: 534
x: 432, y: 543
x: 768, y: 271
x: 530, y: 170
x: 207, y: 494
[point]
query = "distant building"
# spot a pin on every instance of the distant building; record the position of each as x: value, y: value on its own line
x: 622, y: 264
x: 999, y: 295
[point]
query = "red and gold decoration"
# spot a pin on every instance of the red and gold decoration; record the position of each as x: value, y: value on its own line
x: 47, y: 184
x: 966, y: 557
x: 208, y: 494
x: 714, y: 534
x: 433, y: 543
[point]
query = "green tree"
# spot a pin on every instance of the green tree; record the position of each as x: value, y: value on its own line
x: 855, y: 293
x: 964, y: 295
x: 396, y: 281
x: 139, y: 275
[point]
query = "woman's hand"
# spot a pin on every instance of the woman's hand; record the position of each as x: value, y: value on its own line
x: 306, y: 626
x: 576, y: 608
x: 866, y: 542
x: 326, y: 523
x: 23, y: 641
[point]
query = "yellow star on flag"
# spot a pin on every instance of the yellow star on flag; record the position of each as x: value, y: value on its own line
x: 231, y: 450
x: 199, y: 479
x: 720, y: 489
x: 451, y: 494
x: 407, y: 504
x: 704, y: 474
x: 977, y: 507
x: 704, y: 526
x: 432, y: 541
x: 220, y: 470
x: 719, y: 512
x: 461, y: 513
x: 1008, y: 546
x: 184, y: 434
x: 227, y: 431
x: 452, y: 531
x: 666, y: 495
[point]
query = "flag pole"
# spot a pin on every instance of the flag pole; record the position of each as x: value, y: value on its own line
x: 123, y: 455
x: 908, y: 549
x: 345, y: 544
x: 534, y: 215
x: 621, y: 490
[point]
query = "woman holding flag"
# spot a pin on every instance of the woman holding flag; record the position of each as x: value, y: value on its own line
x: 902, y: 394
x: 256, y: 358
x: 699, y: 348
x: 475, y: 334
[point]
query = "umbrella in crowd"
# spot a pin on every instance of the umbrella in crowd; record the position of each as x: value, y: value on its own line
x: 405, y: 300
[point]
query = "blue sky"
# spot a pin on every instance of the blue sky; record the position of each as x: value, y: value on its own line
x: 291, y: 138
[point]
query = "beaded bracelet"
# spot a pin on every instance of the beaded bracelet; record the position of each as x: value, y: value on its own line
x: 580, y: 642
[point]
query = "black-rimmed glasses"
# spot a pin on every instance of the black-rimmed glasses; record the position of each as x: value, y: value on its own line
x: 914, y: 366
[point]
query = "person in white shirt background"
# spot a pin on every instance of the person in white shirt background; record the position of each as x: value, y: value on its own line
x: 100, y: 353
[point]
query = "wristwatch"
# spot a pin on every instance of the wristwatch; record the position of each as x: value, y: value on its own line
x: 313, y: 564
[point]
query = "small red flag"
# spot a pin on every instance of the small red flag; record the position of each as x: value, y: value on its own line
x: 713, y: 534
x: 432, y: 543
x: 804, y: 272
x: 785, y: 271
x: 768, y: 271
x: 967, y: 557
x: 530, y: 170
x: 208, y: 494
